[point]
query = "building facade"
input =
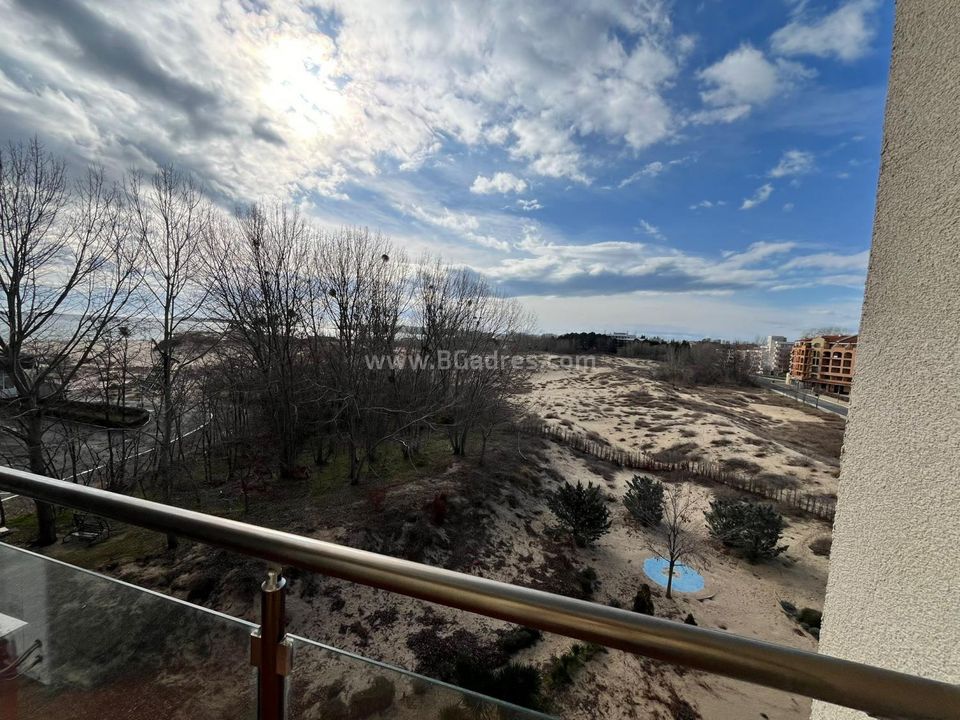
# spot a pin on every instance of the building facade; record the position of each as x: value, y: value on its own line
x: 894, y: 565
x: 825, y: 364
x: 775, y: 355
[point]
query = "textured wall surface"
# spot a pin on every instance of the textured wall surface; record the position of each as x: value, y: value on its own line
x: 893, y: 595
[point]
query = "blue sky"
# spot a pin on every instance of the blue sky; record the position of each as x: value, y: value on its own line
x: 678, y: 168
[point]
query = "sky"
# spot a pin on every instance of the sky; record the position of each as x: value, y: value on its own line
x: 676, y: 168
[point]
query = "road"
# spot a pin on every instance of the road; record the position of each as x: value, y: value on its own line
x: 804, y: 396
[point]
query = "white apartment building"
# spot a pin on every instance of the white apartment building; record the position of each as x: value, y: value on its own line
x: 775, y: 355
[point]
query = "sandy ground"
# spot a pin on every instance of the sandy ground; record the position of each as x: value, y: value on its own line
x: 499, y: 527
x: 739, y: 597
x: 753, y: 431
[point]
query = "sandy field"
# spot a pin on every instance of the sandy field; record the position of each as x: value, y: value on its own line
x: 752, y: 431
x: 498, y: 526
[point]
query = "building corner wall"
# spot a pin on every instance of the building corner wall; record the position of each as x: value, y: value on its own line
x: 892, y: 594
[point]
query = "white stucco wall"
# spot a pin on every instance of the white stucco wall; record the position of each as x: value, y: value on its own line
x: 893, y: 595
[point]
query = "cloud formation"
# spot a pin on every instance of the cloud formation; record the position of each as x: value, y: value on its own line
x: 541, y: 266
x: 708, y: 204
x: 651, y: 230
x: 286, y: 95
x: 793, y: 162
x: 436, y: 122
x: 501, y: 182
x: 743, y: 79
x: 845, y: 33
x: 762, y: 194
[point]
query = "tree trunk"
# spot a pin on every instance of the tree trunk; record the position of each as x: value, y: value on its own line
x: 355, y: 464
x: 46, y: 523
x: 670, y: 577
x: 165, y: 464
x: 46, y: 513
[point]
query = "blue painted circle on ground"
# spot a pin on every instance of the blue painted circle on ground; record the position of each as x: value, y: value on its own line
x: 685, y: 579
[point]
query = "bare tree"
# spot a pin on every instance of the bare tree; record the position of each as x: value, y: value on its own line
x: 229, y: 394
x: 116, y: 374
x: 66, y: 272
x: 672, y: 539
x: 259, y: 286
x: 366, y: 291
x: 171, y: 217
x: 481, y: 372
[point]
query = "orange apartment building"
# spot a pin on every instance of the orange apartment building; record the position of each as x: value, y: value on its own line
x: 825, y: 363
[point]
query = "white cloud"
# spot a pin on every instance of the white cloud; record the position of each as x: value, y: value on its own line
x: 651, y: 230
x: 501, y: 182
x: 788, y: 207
x: 760, y: 196
x: 528, y: 205
x: 845, y: 33
x: 637, y: 264
x: 262, y: 100
x: 550, y: 150
x: 691, y: 316
x: 654, y: 168
x: 728, y: 114
x: 746, y: 77
x: 708, y: 204
x: 793, y: 162
x: 461, y: 224
x: 742, y: 79
x: 743, y: 76
x: 830, y: 261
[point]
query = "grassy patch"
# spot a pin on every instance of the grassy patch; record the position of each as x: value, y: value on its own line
x: 126, y: 542
x: 390, y: 466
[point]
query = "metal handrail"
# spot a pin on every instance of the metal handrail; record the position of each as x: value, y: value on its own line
x: 881, y: 692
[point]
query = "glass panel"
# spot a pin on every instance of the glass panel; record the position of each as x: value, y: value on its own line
x: 329, y: 683
x: 93, y: 648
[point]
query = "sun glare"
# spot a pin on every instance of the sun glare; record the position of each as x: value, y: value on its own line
x: 300, y: 88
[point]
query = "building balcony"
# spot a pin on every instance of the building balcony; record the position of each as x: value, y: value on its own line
x: 75, y: 644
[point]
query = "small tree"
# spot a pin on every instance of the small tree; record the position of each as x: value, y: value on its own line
x: 673, y: 540
x: 644, y: 500
x: 582, y: 511
x: 751, y: 528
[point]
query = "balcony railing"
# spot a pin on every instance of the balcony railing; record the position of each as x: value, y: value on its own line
x: 101, y: 631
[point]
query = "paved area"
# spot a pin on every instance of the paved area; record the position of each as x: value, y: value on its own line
x: 804, y: 396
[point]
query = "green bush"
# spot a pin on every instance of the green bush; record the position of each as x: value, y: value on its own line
x: 643, y: 602
x: 517, y: 639
x: 789, y: 608
x: 513, y: 683
x: 811, y: 617
x: 588, y: 581
x: 462, y: 659
x: 518, y: 684
x: 753, y: 529
x: 644, y: 500
x: 807, y: 618
x: 821, y: 546
x: 582, y: 511
x: 563, y: 668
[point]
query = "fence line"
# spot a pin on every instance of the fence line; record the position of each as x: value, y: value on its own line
x: 820, y: 507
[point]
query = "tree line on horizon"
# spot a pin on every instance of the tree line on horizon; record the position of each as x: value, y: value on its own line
x: 681, y: 362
